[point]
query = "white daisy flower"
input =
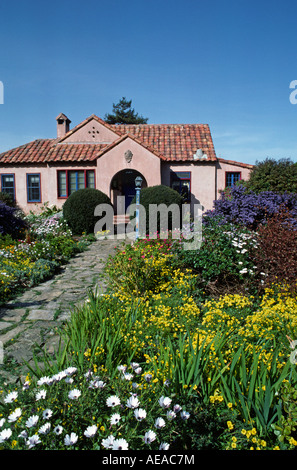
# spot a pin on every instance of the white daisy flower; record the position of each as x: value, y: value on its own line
x: 14, y: 416
x: 107, y: 443
x: 132, y: 402
x: 120, y: 444
x: 11, y: 397
x: 70, y: 371
x: 74, y: 394
x: 23, y: 435
x: 149, y: 437
x: 165, y: 402
x: 45, y: 429
x: 47, y: 413
x: 112, y: 401
x: 148, y: 377
x: 159, y: 423
x: 134, y: 365
x: 90, y: 431
x: 115, y: 418
x: 164, y: 446
x: 170, y: 415
x: 58, y: 430
x: 71, y: 439
x: 32, y: 421
x: 40, y: 395
x: 2, y: 421
x: 33, y: 440
x: 127, y: 376
x: 26, y: 385
x: 177, y: 408
x: 140, y: 414
x: 5, y: 435
x: 44, y: 381
x: 184, y: 415
x: 97, y: 384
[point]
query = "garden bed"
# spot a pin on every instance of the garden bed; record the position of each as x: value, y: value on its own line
x: 41, y: 248
x: 185, y: 351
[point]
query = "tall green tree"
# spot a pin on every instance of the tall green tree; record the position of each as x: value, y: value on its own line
x: 273, y: 175
x: 123, y: 113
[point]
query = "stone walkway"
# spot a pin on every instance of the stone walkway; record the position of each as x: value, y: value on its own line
x: 33, y: 317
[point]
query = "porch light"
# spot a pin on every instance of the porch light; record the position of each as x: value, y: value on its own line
x: 138, y: 181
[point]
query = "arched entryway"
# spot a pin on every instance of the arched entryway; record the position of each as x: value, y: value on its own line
x: 123, y: 184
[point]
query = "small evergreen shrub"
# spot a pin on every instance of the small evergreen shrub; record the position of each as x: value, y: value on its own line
x: 78, y: 210
x: 157, y: 195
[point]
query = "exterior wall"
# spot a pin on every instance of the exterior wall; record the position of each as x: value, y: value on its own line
x: 203, y: 177
x: 224, y: 166
x: 143, y: 161
x: 92, y: 131
x: 20, y: 182
x: 48, y: 183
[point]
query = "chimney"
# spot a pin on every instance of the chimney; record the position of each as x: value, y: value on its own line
x: 62, y: 125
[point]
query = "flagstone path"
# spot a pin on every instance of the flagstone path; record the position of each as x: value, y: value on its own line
x: 33, y: 317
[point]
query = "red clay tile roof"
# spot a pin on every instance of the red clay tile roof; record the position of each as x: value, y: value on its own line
x: 233, y: 162
x: 171, y: 142
x: 33, y: 152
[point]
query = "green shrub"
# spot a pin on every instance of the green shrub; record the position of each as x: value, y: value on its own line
x: 7, y: 199
x: 78, y: 210
x: 157, y: 195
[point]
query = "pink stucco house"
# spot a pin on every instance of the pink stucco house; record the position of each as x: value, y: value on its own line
x: 109, y: 157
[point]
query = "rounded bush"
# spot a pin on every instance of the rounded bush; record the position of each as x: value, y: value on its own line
x: 151, y: 198
x: 78, y: 210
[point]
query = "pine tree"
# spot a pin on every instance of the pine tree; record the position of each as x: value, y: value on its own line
x: 123, y: 113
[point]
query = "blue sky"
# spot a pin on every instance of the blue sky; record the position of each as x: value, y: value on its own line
x: 222, y: 62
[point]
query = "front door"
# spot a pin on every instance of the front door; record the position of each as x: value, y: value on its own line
x: 129, y: 193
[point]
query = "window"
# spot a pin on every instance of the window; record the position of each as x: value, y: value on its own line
x: 232, y: 178
x: 72, y: 180
x: 181, y: 182
x: 33, y: 188
x: 7, y: 185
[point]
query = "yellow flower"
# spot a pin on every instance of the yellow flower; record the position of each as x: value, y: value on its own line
x: 292, y: 441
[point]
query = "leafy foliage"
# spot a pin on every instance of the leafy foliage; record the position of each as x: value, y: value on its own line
x: 276, y: 251
x: 7, y: 199
x: 10, y: 222
x: 272, y: 175
x: 124, y: 114
x: 222, y: 264
x: 78, y: 210
x: 246, y: 208
x: 154, y: 196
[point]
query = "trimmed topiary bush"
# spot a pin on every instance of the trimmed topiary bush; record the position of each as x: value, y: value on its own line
x: 78, y: 210
x: 153, y: 196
